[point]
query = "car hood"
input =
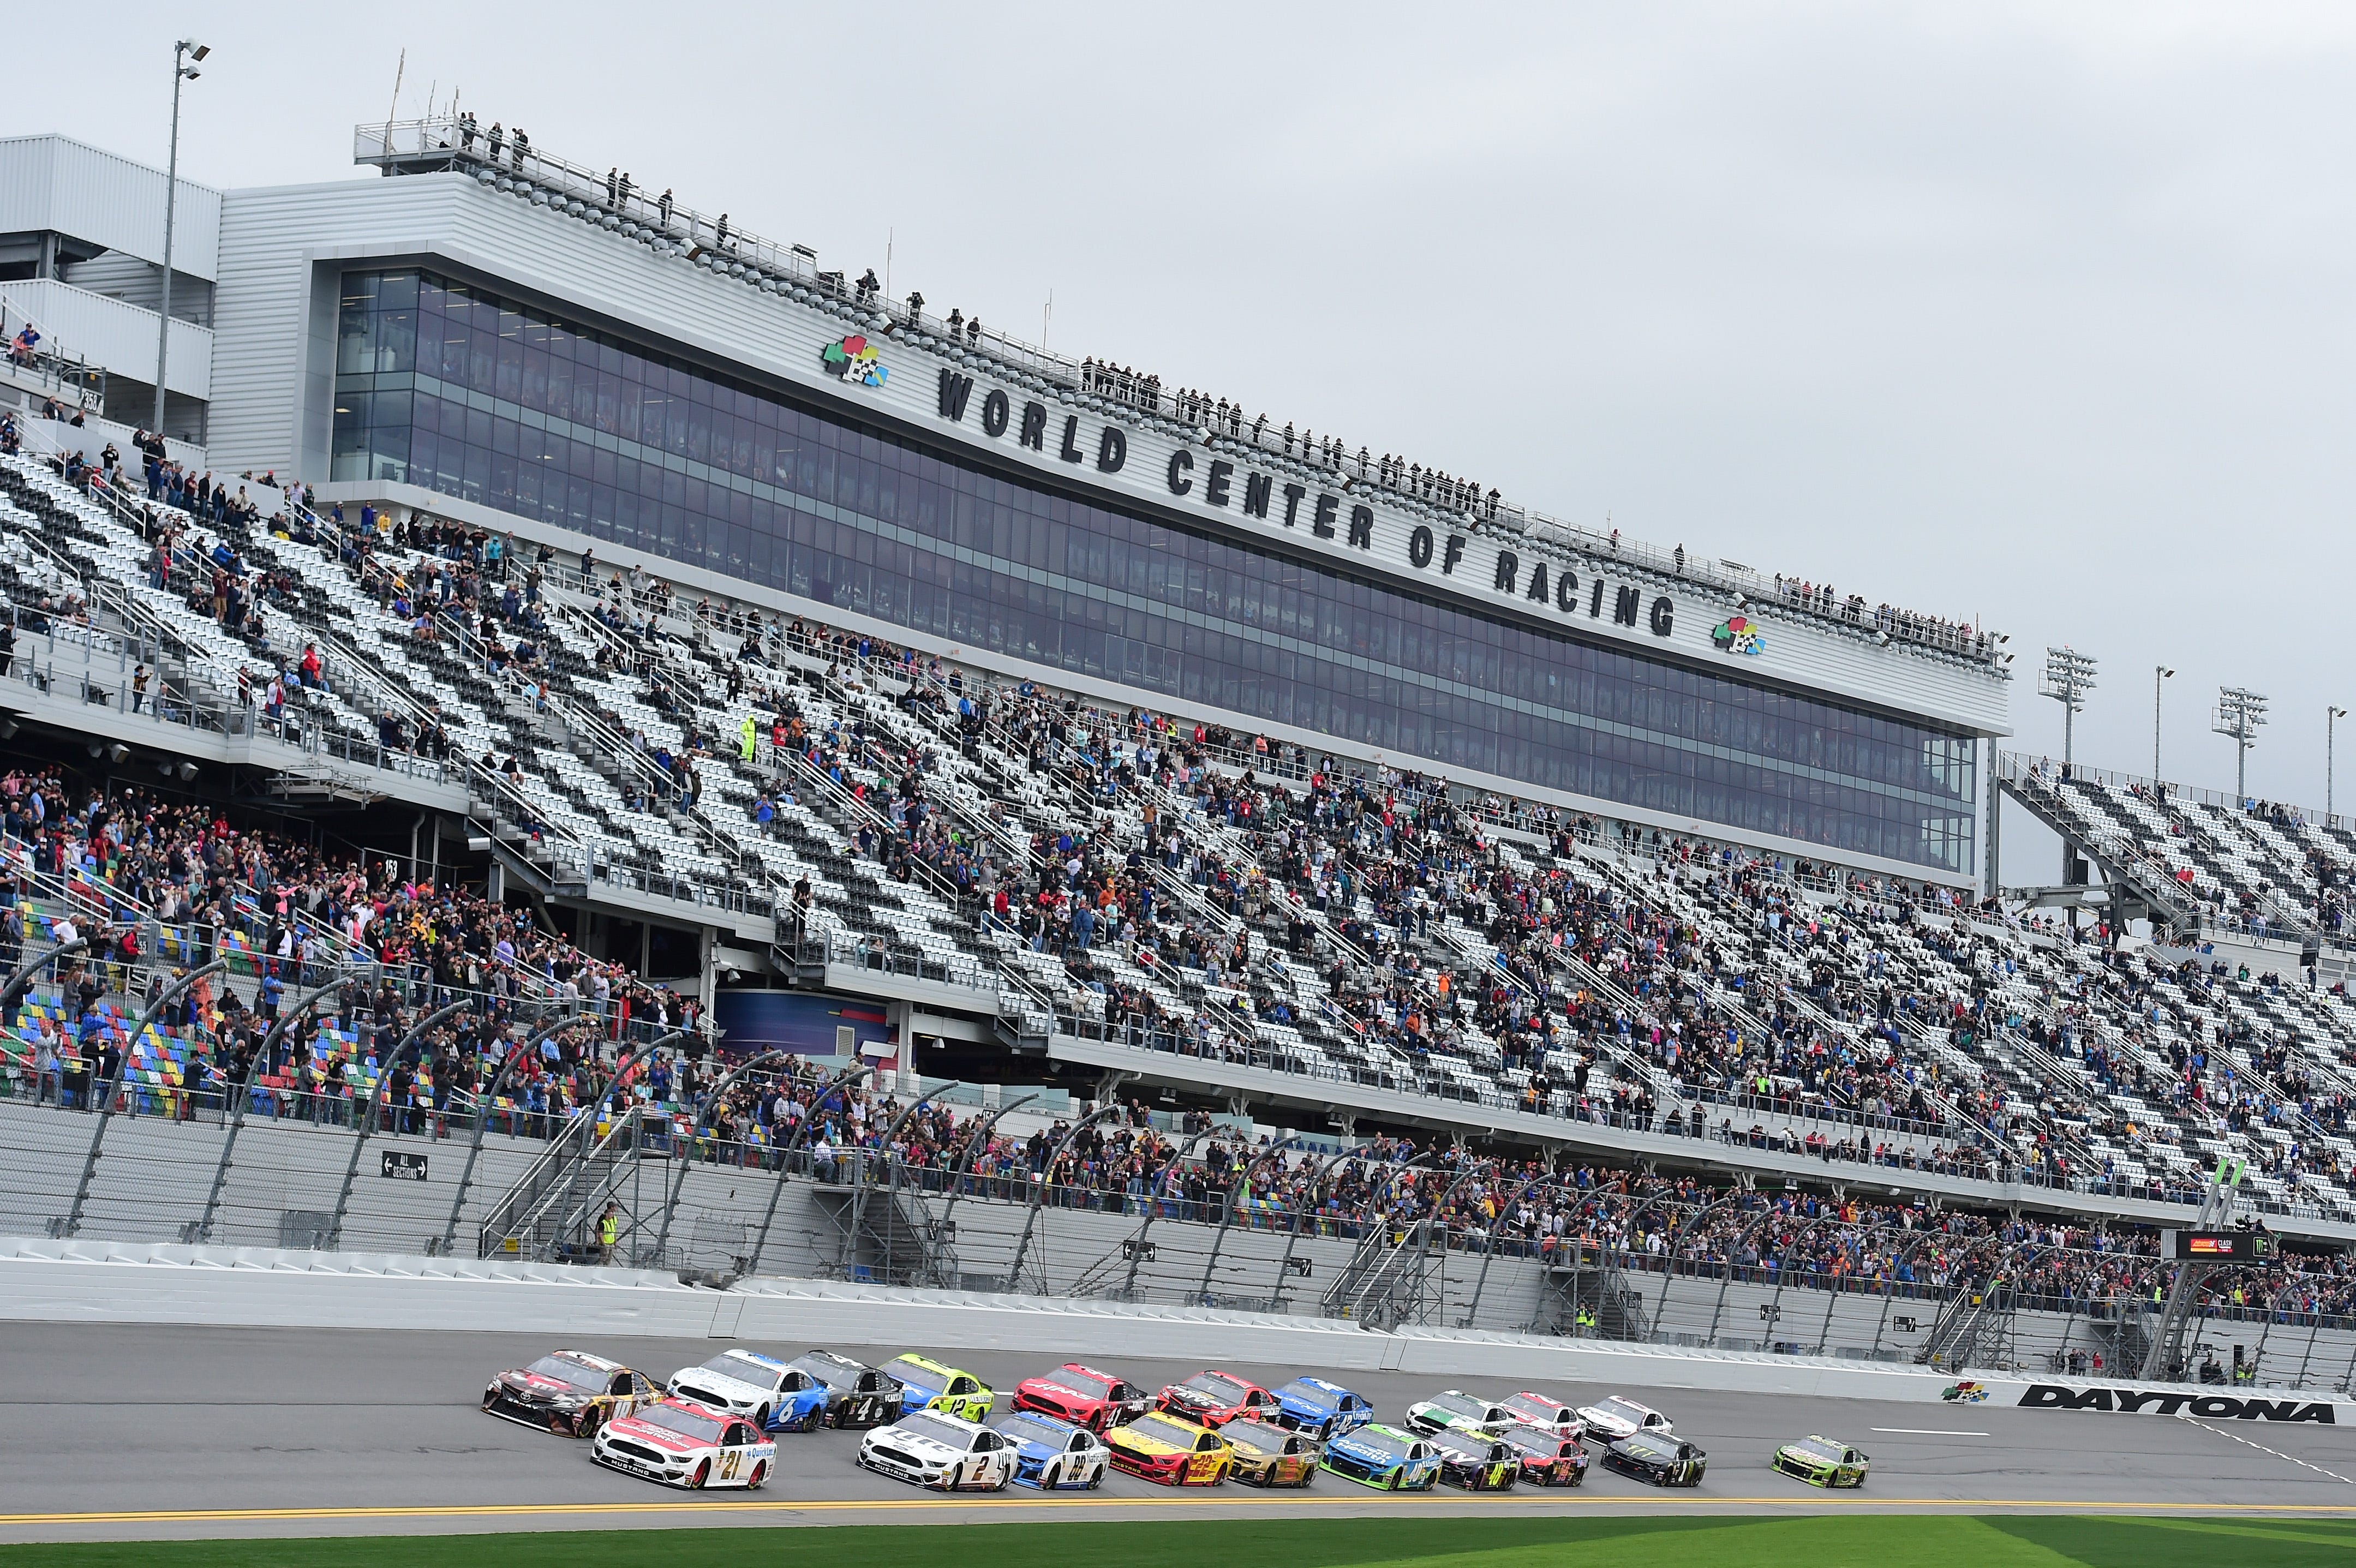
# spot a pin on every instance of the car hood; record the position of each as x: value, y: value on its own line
x: 1140, y: 1443
x: 916, y: 1442
x: 721, y: 1384
x: 544, y: 1388
x: 1061, y: 1391
x: 661, y: 1437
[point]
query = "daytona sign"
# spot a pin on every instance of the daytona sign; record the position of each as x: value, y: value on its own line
x: 2212, y: 1406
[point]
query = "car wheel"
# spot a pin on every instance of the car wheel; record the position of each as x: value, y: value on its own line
x: 1048, y: 1480
x: 490, y: 1397
x: 1096, y: 1478
x: 950, y: 1482
x: 753, y: 1482
x: 1396, y: 1480
x: 761, y: 1418
x: 702, y: 1473
x: 1004, y: 1476
x: 587, y: 1426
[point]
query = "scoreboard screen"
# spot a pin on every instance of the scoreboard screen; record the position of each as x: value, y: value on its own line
x: 2221, y: 1246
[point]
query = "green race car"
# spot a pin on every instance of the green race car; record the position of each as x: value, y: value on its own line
x: 1823, y: 1462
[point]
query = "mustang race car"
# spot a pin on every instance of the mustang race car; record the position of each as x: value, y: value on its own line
x: 940, y: 1451
x: 1384, y: 1458
x: 1162, y: 1448
x: 856, y: 1393
x: 570, y: 1392
x: 928, y: 1385
x: 1552, y: 1414
x: 778, y: 1398
x: 1473, y: 1463
x: 1549, y: 1458
x: 1270, y: 1455
x: 1456, y: 1412
x: 1053, y: 1454
x: 1652, y: 1456
x: 1216, y: 1398
x: 1321, y: 1409
x: 1822, y: 1462
x: 681, y: 1444
x: 1617, y: 1417
x: 1092, y: 1399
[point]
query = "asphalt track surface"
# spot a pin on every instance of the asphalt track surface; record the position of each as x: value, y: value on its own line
x: 112, y: 1432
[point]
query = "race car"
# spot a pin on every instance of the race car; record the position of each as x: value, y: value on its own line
x: 1215, y: 1398
x: 1168, y: 1451
x: 1098, y: 1401
x: 928, y: 1385
x: 778, y: 1398
x: 1617, y: 1417
x: 1383, y: 1457
x: 1657, y: 1457
x: 1459, y: 1412
x: 682, y: 1444
x: 1549, y: 1458
x: 1551, y: 1415
x: 1822, y: 1462
x: 856, y: 1393
x: 1473, y: 1463
x: 1322, y: 1410
x: 1269, y: 1456
x: 1054, y: 1456
x: 570, y: 1392
x: 930, y: 1449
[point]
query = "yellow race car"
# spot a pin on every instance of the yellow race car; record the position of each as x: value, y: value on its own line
x: 1160, y: 1447
x: 925, y: 1384
x: 1269, y: 1456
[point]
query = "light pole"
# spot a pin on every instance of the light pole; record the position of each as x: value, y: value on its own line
x: 184, y: 51
x: 2240, y: 712
x: 2068, y: 676
x: 2158, y: 673
x: 2332, y: 716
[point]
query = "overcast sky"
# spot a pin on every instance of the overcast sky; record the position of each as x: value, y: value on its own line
x: 2034, y: 314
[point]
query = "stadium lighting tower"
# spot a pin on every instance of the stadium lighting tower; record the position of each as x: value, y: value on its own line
x: 2158, y: 673
x: 2331, y: 717
x: 2068, y: 676
x: 183, y: 52
x: 2240, y: 712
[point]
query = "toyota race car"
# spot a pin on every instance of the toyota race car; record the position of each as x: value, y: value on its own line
x: 1384, y: 1458
x: 1162, y: 1448
x: 1269, y: 1456
x: 1458, y: 1411
x: 1098, y: 1401
x: 1322, y: 1410
x: 928, y: 1385
x: 1552, y: 1414
x: 1617, y: 1417
x: 681, y: 1444
x: 778, y: 1398
x: 1549, y: 1458
x: 932, y: 1449
x: 856, y: 1393
x: 1215, y: 1398
x: 1054, y: 1456
x: 1822, y: 1462
x: 570, y: 1392
x: 1657, y: 1457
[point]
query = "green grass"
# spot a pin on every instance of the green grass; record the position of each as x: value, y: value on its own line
x: 1798, y: 1541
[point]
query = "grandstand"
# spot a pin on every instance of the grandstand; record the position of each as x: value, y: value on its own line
x: 639, y: 760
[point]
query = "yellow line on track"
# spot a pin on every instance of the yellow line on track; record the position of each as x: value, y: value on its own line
x: 920, y: 1505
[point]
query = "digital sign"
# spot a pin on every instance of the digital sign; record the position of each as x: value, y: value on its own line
x: 2221, y: 1246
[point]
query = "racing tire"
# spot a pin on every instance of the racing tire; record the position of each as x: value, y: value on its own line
x: 586, y: 1426
x: 702, y: 1473
x: 1395, y: 1482
x: 1096, y: 1478
x: 490, y: 1398
x: 954, y: 1479
x: 758, y: 1478
x: 1047, y: 1482
x: 1005, y: 1480
x: 761, y: 1419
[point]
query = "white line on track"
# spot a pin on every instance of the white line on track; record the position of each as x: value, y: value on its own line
x: 1928, y: 1432
x: 2263, y: 1450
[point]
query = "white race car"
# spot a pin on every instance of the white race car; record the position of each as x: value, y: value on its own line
x: 932, y: 1448
x: 1619, y: 1416
x: 682, y: 1444
x: 745, y: 1383
x: 1546, y: 1415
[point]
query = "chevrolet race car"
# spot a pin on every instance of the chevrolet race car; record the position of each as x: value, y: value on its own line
x: 1653, y: 1456
x: 928, y: 1385
x: 1549, y: 1458
x: 1551, y: 1415
x: 1458, y: 1411
x: 1322, y: 1410
x: 570, y: 1392
x: 1053, y: 1454
x: 1170, y: 1452
x: 1473, y: 1463
x: 856, y: 1393
x: 1384, y: 1458
x: 1098, y: 1401
x: 1617, y: 1417
x: 1822, y: 1462
x: 1215, y: 1398
x: 778, y: 1398
x: 932, y: 1449
x: 1269, y: 1456
x: 681, y: 1444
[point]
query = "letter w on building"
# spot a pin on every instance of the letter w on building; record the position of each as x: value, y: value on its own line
x: 955, y: 390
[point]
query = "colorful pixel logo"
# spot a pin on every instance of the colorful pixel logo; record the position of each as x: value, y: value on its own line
x: 853, y: 358
x: 1739, y: 634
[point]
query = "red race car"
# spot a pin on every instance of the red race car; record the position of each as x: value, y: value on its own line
x: 1216, y: 1398
x: 1082, y: 1396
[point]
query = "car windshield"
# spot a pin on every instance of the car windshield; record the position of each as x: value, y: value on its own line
x: 1530, y: 1440
x: 906, y: 1369
x: 1212, y: 1383
x: 1031, y: 1429
x: 1632, y: 1413
x: 744, y: 1370
x: 832, y: 1371
x: 1382, y: 1443
x: 686, y: 1422
x: 1161, y: 1429
x: 1818, y: 1448
x: 1461, y: 1404
x: 1535, y: 1409
x: 1259, y: 1433
x: 1080, y: 1382
x: 939, y: 1431
x: 1645, y: 1443
x: 564, y: 1370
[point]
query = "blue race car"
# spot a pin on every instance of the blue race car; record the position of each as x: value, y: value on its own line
x: 1054, y: 1456
x: 772, y: 1395
x: 1324, y: 1410
x: 1385, y: 1459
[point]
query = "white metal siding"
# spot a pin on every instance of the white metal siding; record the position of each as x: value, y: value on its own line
x: 56, y: 183
x: 107, y: 332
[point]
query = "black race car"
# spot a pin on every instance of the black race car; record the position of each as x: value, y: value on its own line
x: 1657, y: 1458
x: 856, y: 1393
x: 1476, y: 1464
